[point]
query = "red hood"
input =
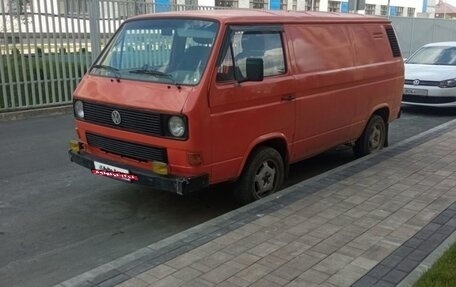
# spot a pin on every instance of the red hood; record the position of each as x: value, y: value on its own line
x: 136, y: 94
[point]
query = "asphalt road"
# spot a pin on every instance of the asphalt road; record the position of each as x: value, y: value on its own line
x: 57, y: 220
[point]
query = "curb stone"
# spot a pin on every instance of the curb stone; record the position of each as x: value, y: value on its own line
x: 428, y: 261
x: 35, y: 113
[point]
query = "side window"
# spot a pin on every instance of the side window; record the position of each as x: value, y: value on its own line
x: 251, y: 44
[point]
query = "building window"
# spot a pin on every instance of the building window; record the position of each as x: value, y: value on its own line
x: 383, y: 10
x: 399, y: 11
x: 191, y: 3
x: 314, y: 3
x: 295, y: 5
x: 73, y: 7
x: 258, y: 4
x: 19, y: 6
x: 370, y: 9
x: 333, y: 6
x: 283, y: 5
x: 227, y: 3
x: 411, y: 12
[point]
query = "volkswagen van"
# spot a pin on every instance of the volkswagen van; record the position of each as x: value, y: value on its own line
x: 183, y: 100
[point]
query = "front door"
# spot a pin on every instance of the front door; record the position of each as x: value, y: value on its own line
x: 245, y: 112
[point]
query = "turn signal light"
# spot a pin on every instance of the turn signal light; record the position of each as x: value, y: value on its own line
x: 75, y: 146
x: 160, y: 168
x: 194, y: 159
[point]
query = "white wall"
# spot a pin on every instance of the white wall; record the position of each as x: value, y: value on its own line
x: 323, y: 5
x: 244, y: 3
x: 206, y: 2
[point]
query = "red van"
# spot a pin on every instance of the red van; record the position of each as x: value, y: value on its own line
x: 183, y: 100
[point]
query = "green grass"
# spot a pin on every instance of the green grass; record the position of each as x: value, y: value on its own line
x: 38, y: 80
x: 442, y: 273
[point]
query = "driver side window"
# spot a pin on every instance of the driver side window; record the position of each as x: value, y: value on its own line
x: 251, y: 44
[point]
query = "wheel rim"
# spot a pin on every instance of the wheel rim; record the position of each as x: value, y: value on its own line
x: 376, y: 138
x: 265, y: 178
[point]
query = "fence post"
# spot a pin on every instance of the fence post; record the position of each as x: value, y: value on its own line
x: 94, y: 20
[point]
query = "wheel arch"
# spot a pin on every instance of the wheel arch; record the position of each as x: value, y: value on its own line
x: 384, y: 112
x: 276, y: 141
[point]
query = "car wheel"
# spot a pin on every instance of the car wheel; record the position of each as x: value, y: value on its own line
x: 262, y: 176
x: 373, y: 137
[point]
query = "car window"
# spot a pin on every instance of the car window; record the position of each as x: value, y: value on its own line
x: 434, y: 55
x: 251, y: 44
x: 159, y: 50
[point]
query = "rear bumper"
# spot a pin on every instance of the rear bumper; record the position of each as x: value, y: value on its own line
x: 176, y: 184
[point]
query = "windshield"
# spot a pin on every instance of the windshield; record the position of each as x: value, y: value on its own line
x: 434, y: 55
x: 172, y: 51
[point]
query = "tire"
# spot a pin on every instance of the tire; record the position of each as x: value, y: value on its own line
x: 262, y: 175
x: 373, y: 137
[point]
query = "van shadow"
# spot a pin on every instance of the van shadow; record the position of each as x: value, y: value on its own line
x: 146, y: 203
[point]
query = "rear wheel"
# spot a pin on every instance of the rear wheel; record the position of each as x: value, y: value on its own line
x: 373, y: 138
x: 262, y: 176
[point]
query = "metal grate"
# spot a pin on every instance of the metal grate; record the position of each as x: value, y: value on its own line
x: 393, y: 42
x: 423, y: 83
x: 131, y: 120
x: 127, y: 149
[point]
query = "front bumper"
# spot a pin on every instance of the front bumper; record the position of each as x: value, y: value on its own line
x: 176, y: 184
x: 433, y: 97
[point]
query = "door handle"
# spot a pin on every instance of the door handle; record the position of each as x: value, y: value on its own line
x: 288, y: 98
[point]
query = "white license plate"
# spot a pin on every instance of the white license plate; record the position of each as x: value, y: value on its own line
x: 416, y: 92
x: 112, y: 171
x: 108, y: 167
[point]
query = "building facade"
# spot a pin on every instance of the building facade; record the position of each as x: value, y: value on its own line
x: 401, y: 8
x: 405, y: 8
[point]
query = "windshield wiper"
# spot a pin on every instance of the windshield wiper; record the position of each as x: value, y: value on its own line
x: 145, y: 70
x: 113, y: 70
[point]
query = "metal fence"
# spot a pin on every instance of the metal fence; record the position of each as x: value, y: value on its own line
x: 415, y: 32
x: 47, y: 45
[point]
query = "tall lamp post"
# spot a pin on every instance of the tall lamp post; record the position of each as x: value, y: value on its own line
x: 388, y: 8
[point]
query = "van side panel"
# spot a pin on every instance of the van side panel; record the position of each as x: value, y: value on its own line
x: 382, y: 72
x: 345, y: 73
x: 326, y: 96
x: 240, y: 115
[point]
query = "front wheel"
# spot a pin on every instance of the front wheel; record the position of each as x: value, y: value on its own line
x: 373, y: 138
x: 262, y: 176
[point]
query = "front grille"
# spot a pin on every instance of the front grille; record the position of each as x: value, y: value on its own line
x: 127, y: 149
x: 423, y: 83
x: 427, y: 99
x: 131, y: 120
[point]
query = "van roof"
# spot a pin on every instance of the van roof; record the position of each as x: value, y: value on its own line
x: 267, y: 16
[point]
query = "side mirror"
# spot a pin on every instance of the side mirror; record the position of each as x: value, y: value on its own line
x: 254, y: 69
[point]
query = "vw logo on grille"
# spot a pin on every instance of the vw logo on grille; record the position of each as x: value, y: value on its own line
x: 115, y: 116
x: 416, y: 82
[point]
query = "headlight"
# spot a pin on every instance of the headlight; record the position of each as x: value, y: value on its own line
x: 79, y: 109
x: 448, y: 83
x: 176, y: 126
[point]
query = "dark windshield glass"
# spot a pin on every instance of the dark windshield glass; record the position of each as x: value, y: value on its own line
x: 434, y: 56
x: 159, y: 50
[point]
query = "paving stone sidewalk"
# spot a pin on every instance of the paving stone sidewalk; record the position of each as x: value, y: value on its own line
x: 368, y: 223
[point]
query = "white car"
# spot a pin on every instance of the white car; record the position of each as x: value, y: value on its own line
x: 430, y: 76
